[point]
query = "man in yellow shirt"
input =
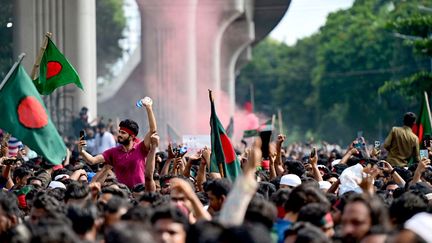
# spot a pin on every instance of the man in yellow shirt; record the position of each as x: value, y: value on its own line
x: 402, y: 144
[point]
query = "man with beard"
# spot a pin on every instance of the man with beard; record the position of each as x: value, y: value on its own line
x: 129, y: 158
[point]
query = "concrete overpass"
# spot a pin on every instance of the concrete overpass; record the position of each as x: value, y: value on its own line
x: 187, y: 47
x: 203, y: 47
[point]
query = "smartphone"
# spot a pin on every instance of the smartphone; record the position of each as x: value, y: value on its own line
x: 313, y: 152
x: 182, y: 151
x: 82, y: 135
x: 424, y: 154
x: 377, y: 145
x: 359, y: 134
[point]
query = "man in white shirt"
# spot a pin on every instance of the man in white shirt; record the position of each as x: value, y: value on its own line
x: 103, y: 140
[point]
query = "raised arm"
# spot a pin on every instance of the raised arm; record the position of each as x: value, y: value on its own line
x: 150, y: 185
x: 148, y: 103
x: 314, y: 164
x: 278, y: 165
x: 88, y: 158
x: 245, y: 186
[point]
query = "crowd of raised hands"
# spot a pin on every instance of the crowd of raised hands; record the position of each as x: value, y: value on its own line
x: 299, y: 193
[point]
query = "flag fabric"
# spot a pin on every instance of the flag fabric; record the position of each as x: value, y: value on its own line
x: 250, y: 133
x: 24, y: 115
x: 55, y: 71
x: 223, y: 156
x: 423, y: 123
x: 267, y: 126
x: 230, y: 128
x: 173, y: 137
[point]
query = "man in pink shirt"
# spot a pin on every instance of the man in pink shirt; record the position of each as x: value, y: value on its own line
x: 129, y: 158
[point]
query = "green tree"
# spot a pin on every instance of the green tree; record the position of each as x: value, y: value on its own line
x: 110, y: 23
x: 417, y: 30
x: 327, y: 85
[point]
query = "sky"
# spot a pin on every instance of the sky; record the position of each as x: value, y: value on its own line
x: 305, y: 17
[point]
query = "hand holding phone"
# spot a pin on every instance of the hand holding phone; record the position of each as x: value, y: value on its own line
x: 82, y: 135
x: 313, y: 152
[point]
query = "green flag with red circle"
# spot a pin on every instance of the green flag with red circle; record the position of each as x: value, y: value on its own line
x: 223, y: 158
x: 24, y: 115
x: 55, y: 71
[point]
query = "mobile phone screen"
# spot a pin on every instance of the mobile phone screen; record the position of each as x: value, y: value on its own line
x: 377, y: 144
x: 424, y: 154
x: 82, y: 135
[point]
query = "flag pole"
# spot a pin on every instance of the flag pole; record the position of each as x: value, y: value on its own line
x: 6, y: 78
x: 40, y: 54
x: 427, y: 106
x: 221, y: 172
x: 280, y: 121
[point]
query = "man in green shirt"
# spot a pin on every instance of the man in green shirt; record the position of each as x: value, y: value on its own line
x: 402, y: 144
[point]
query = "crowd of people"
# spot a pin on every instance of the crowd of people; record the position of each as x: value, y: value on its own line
x: 114, y: 187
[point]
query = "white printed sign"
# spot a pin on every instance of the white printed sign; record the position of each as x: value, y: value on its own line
x: 195, y: 143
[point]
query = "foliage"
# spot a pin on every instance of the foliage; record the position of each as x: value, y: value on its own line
x: 110, y: 22
x: 328, y: 83
x: 417, y: 31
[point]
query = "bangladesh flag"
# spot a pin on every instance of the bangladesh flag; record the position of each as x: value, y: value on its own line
x: 250, y: 133
x: 55, y: 71
x: 423, y: 124
x: 223, y: 158
x: 24, y: 115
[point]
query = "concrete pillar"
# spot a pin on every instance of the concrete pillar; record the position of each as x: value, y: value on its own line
x: 73, y: 25
x: 168, y: 61
x: 213, y: 17
x: 237, y: 37
x: 80, y: 48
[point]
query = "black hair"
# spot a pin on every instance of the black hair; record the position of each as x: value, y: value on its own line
x: 204, y: 231
x: 306, y: 233
x: 295, y: 167
x: 150, y: 197
x: 170, y: 212
x: 138, y: 214
x: 83, y: 217
x: 20, y: 172
x: 114, y: 192
x: 406, y: 206
x: 218, y: 187
x: 409, y: 119
x: 312, y: 213
x: 248, y: 233
x: 302, y: 195
x: 377, y: 212
x: 202, y: 196
x: 76, y: 190
x: 280, y: 197
x: 266, y: 189
x: 261, y: 211
x: 54, y: 229
x: 49, y: 204
x: 114, y: 204
x: 9, y: 205
x: 131, y: 125
x: 138, y: 188
x: 58, y: 193
x: 128, y: 232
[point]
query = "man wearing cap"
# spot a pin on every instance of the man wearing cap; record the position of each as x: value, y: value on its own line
x: 289, y: 181
x: 129, y: 158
